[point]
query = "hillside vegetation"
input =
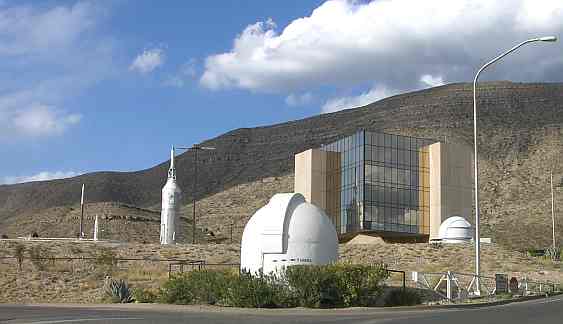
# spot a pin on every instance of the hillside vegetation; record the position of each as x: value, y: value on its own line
x: 520, y: 140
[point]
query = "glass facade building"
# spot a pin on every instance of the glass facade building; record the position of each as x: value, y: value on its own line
x: 378, y: 182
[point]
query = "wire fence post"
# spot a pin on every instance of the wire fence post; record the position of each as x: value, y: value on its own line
x: 232, y: 233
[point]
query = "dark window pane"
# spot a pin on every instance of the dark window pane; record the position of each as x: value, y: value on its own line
x: 388, y: 140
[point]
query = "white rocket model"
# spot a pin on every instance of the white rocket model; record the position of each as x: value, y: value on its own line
x: 170, y: 205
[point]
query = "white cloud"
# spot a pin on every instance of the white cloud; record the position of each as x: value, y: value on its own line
x: 186, y: 72
x: 28, y: 30
x: 294, y: 100
x: 40, y: 120
x: 391, y: 43
x: 41, y: 176
x: 375, y: 94
x: 429, y: 80
x: 148, y: 61
x: 48, y: 55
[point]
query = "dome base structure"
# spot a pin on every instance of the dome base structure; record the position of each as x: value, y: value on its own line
x: 455, y: 230
x: 287, y: 231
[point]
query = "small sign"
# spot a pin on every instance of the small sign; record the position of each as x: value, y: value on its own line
x: 513, y: 285
x: 501, y: 283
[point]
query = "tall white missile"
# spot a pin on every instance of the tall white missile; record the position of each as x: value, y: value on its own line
x: 170, y: 205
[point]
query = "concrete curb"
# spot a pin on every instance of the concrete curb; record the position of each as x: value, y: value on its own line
x: 287, y: 311
x: 485, y: 304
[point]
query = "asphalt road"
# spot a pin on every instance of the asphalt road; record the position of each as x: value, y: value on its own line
x: 545, y: 311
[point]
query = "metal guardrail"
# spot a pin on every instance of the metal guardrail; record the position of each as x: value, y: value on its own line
x: 404, y: 276
x: 457, y: 286
x: 174, y: 264
x: 197, y: 265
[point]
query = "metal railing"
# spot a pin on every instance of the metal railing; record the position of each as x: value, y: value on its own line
x: 172, y: 264
x: 457, y: 286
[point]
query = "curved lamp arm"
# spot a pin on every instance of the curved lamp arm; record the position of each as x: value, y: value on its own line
x: 476, y: 163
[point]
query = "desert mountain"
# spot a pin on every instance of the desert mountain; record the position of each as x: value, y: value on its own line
x: 520, y: 140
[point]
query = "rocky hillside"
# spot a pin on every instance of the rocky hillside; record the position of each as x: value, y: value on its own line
x: 520, y: 141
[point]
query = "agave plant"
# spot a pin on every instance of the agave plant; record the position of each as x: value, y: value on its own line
x: 553, y: 253
x: 118, y: 290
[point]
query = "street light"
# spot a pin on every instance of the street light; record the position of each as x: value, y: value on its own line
x: 476, y: 163
x: 552, y: 208
x: 195, y: 148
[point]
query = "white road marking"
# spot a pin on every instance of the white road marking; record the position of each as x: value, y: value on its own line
x: 86, y: 320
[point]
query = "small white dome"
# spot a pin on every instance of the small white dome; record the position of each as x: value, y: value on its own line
x: 287, y: 231
x: 455, y: 230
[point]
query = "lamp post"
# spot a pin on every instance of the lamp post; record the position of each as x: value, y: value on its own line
x: 476, y: 163
x: 195, y: 148
x: 81, y: 234
x: 552, y: 208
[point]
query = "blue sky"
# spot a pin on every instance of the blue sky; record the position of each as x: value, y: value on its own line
x: 111, y: 85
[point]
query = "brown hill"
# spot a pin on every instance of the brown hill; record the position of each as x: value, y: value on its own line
x: 520, y: 140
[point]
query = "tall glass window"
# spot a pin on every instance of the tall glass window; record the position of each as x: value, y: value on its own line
x: 378, y: 182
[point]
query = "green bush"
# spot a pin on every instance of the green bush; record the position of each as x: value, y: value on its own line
x: 339, y: 285
x: 336, y: 285
x: 535, y: 252
x: 142, y: 295
x: 195, y: 287
x: 400, y: 297
x: 262, y: 291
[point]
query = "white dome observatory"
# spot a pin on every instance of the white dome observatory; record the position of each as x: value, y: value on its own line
x: 169, y: 214
x: 287, y: 231
x: 455, y: 230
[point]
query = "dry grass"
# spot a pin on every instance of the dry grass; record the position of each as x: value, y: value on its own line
x: 80, y: 281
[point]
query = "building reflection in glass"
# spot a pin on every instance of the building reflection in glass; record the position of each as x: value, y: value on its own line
x: 378, y: 182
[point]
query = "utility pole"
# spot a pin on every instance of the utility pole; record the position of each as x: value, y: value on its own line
x: 81, y: 235
x: 194, y: 193
x: 232, y: 232
x: 195, y: 148
x: 552, y: 208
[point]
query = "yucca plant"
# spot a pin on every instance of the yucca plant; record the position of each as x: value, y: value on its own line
x: 118, y: 291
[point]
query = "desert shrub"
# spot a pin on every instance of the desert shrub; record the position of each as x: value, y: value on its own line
x: 105, y: 262
x: 201, y: 286
x: 39, y: 257
x: 262, y: 291
x: 312, y: 285
x: 400, y: 297
x: 226, y: 288
x: 117, y: 291
x: 19, y: 250
x: 144, y: 295
x: 535, y: 252
x: 336, y: 285
x: 553, y: 253
x: 339, y: 285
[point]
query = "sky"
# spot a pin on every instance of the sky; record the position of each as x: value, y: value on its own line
x: 110, y: 85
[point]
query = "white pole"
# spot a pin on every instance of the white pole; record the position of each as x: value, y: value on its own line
x: 81, y: 235
x: 476, y: 163
x: 96, y: 228
x: 552, y: 208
